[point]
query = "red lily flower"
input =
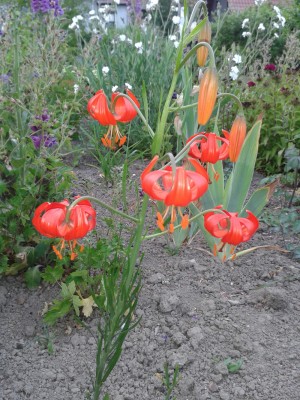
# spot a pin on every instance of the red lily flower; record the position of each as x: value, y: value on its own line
x: 230, y: 228
x: 50, y: 220
x: 175, y: 190
x: 207, y: 149
x: 123, y: 112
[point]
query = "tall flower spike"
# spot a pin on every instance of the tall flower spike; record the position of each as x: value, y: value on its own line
x: 50, y: 220
x: 207, y: 95
x: 176, y: 190
x: 237, y: 137
x: 203, y: 36
x: 124, y: 111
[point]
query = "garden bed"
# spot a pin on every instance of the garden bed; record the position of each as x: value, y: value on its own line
x: 232, y: 328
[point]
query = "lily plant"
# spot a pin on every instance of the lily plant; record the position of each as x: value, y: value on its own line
x: 227, y: 217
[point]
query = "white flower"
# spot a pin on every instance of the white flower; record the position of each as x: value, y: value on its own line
x: 92, y: 12
x: 95, y: 31
x: 275, y: 25
x: 79, y: 17
x: 281, y: 20
x: 105, y: 70
x: 114, y: 89
x: 261, y: 27
x: 246, y: 34
x: 94, y: 17
x: 194, y: 24
x: 245, y: 22
x: 138, y: 45
x: 277, y: 10
x: 237, y: 59
x: 151, y: 5
x: 76, y: 87
x: 176, y: 44
x: 95, y: 72
x: 140, y: 51
x: 258, y: 2
x: 117, y: 1
x: 172, y: 38
x: 122, y: 38
x: 73, y: 25
x: 129, y: 41
x: 128, y: 85
x: 276, y: 35
x: 234, y: 73
x: 176, y: 19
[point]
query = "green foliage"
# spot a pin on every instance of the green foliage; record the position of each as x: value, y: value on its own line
x: 276, y: 96
x: 227, y: 28
x: 170, y: 382
x: 233, y: 366
x: 32, y: 277
x: 85, y: 276
x: 151, y: 69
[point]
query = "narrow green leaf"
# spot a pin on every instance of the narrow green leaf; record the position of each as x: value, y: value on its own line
x: 194, y: 32
x: 32, y: 277
x: 145, y: 101
x: 243, y: 171
x: 259, y: 199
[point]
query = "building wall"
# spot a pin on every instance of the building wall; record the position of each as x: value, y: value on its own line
x: 121, y: 17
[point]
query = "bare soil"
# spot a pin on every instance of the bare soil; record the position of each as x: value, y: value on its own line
x: 196, y: 312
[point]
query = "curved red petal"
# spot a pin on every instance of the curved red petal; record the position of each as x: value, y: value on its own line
x: 98, y: 108
x: 249, y: 226
x: 180, y: 193
x: 47, y: 217
x: 195, y: 148
x: 151, y: 186
x: 235, y: 234
x: 124, y: 110
x: 149, y: 167
x: 199, y: 168
x: 216, y: 224
x: 198, y: 184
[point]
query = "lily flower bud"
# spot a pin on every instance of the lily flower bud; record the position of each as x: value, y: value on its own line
x: 207, y: 95
x: 203, y: 36
x: 237, y: 137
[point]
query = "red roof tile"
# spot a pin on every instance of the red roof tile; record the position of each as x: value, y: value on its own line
x: 239, y: 5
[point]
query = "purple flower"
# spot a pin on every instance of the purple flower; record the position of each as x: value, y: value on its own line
x: 45, y: 6
x: 270, y: 67
x: 138, y: 8
x: 4, y: 78
x: 43, y: 117
x: 251, y: 83
x: 46, y: 140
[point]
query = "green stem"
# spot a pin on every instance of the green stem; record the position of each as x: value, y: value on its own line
x: 212, y: 62
x: 159, y: 136
x: 175, y: 109
x: 154, y: 235
x: 138, y: 239
x: 113, y: 210
x: 200, y: 4
x: 152, y: 134
x: 234, y: 97
x: 16, y: 75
